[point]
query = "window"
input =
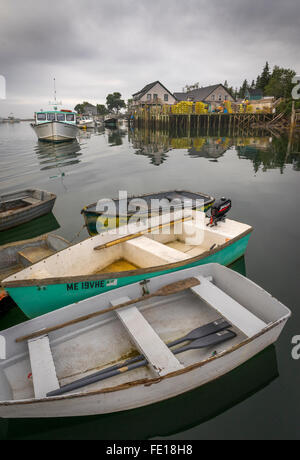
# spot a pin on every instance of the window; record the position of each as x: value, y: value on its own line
x: 148, y: 97
x: 50, y: 116
x: 166, y: 97
x: 60, y: 117
x: 226, y: 98
x: 70, y: 117
x: 41, y: 117
x: 220, y: 97
x: 155, y: 97
x: 213, y: 97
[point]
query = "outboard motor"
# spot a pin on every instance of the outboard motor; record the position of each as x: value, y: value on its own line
x: 219, y: 210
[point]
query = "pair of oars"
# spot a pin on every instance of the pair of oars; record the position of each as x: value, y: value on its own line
x: 204, y: 336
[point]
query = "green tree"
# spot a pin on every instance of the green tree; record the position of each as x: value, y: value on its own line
x: 243, y: 89
x: 114, y: 102
x: 101, y: 109
x: 265, y: 77
x: 80, y: 107
x: 280, y: 83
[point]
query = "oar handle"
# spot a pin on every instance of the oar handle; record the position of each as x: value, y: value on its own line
x: 141, y: 233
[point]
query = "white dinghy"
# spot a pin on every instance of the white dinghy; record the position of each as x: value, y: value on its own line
x: 136, y: 345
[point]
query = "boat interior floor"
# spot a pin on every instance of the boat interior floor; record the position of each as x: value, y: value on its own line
x: 104, y: 342
x: 191, y: 239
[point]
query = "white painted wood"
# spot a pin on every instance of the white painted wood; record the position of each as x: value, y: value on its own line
x: 146, y: 252
x: 92, y: 345
x: 159, y: 356
x: 2, y: 347
x: 235, y: 313
x: 42, y: 367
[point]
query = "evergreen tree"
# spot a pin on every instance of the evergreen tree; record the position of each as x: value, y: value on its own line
x: 280, y: 83
x: 265, y: 77
x: 243, y: 89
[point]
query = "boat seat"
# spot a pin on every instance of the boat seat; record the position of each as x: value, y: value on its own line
x: 32, y: 255
x: 145, y: 252
x: 30, y: 200
x: 159, y: 356
x: 42, y: 367
x: 231, y: 310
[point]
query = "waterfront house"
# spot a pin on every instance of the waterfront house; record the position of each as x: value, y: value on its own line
x: 213, y: 95
x: 153, y: 94
x: 90, y: 109
x: 254, y: 94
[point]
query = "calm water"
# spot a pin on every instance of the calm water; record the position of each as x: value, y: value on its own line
x: 262, y: 177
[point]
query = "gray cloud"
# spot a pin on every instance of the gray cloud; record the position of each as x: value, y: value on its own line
x: 98, y: 46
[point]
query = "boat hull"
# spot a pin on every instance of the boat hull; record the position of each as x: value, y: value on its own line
x: 26, y: 214
x: 128, y: 396
x: 55, y: 131
x: 49, y: 297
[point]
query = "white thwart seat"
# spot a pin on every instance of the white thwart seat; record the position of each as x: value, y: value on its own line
x: 235, y: 313
x: 42, y: 367
x: 146, y: 252
x: 158, y: 355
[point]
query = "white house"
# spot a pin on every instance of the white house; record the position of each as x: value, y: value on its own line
x: 153, y: 94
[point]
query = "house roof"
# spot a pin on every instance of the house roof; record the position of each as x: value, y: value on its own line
x: 147, y: 88
x: 181, y: 96
x: 199, y: 94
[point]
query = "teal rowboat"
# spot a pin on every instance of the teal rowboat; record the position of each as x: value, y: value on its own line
x: 81, y: 271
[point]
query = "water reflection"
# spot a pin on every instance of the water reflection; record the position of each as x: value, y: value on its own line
x: 266, y: 151
x: 171, y: 416
x: 270, y: 152
x: 32, y: 229
x: 115, y: 136
x: 53, y: 156
x: 153, y: 144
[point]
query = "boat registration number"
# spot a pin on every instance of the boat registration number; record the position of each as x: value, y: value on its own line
x: 91, y: 285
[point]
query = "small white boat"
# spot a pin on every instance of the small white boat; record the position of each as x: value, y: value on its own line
x: 20, y: 254
x: 55, y: 125
x: 86, y: 122
x: 190, y: 328
x: 19, y: 207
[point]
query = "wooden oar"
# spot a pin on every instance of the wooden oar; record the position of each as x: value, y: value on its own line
x: 210, y: 340
x: 169, y: 289
x: 141, y: 233
x: 198, y: 333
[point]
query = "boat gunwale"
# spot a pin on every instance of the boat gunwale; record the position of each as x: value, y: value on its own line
x: 123, y: 274
x: 155, y: 380
x: 132, y: 197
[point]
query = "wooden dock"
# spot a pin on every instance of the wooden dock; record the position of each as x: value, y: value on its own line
x: 211, y: 122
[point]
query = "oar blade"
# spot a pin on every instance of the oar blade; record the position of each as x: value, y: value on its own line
x: 210, y: 328
x: 212, y: 340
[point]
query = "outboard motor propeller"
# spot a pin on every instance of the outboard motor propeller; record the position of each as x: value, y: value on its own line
x: 219, y: 210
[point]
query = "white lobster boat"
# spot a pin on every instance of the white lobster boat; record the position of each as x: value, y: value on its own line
x: 86, y: 122
x: 55, y: 125
x: 60, y: 364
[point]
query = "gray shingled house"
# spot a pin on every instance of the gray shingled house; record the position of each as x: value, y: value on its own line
x: 214, y: 95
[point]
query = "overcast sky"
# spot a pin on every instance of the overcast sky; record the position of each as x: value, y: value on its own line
x: 95, y: 47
